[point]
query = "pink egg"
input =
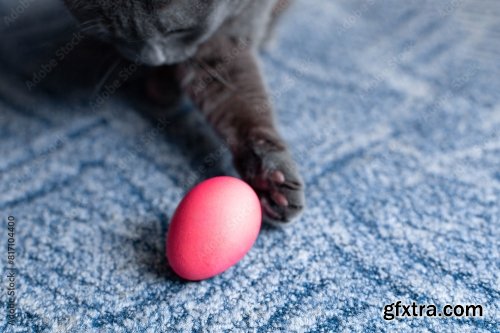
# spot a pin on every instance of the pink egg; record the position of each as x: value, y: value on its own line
x: 213, y: 228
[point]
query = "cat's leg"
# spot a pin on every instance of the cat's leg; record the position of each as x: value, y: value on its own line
x: 225, y: 82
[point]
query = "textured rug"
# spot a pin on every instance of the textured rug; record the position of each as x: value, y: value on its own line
x: 392, y: 110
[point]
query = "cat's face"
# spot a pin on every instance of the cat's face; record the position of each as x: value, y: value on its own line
x: 152, y: 32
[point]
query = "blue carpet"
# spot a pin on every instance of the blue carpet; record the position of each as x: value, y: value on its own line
x: 392, y: 110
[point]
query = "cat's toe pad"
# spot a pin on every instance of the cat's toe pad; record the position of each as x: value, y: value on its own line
x: 279, y: 186
x: 283, y: 202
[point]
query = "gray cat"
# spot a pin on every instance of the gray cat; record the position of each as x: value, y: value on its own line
x: 209, y: 47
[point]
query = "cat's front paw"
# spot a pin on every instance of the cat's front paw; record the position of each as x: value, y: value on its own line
x: 271, y: 171
x: 280, y: 188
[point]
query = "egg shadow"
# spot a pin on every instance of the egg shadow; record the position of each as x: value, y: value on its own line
x: 148, y: 250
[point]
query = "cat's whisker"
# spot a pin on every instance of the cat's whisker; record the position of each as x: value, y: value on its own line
x: 90, y: 22
x: 105, y: 78
x: 88, y: 26
x: 78, y: 4
x: 213, y: 73
x: 87, y: 29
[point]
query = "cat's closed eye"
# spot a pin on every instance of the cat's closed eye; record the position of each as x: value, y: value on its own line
x: 181, y: 31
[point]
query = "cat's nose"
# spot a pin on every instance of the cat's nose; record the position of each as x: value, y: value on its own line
x: 147, y: 53
x: 152, y: 54
x: 155, y: 53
